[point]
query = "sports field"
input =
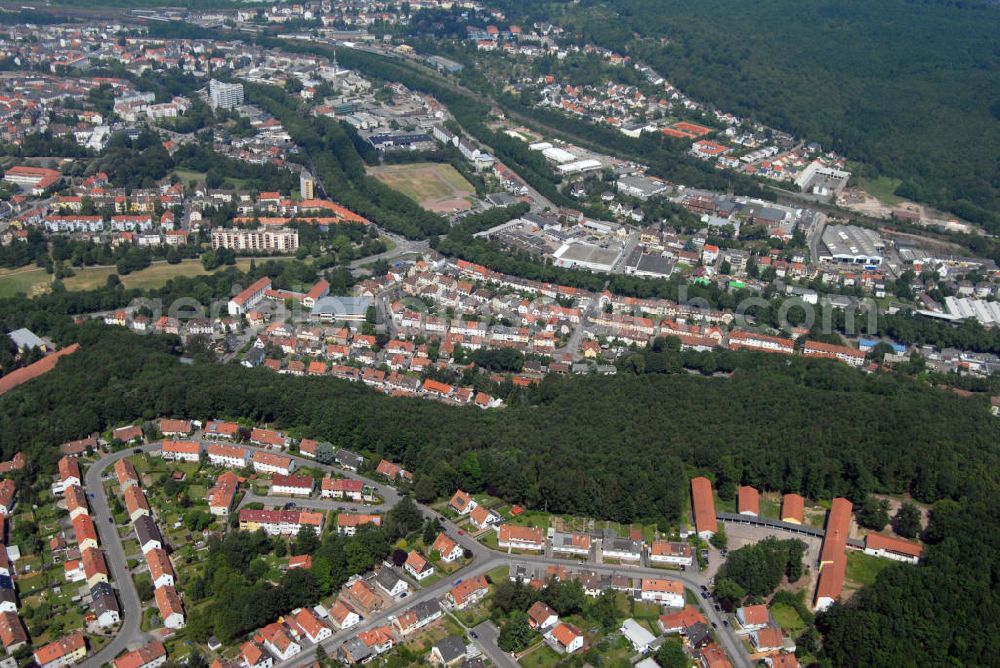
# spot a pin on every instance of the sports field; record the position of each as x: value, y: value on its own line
x: 434, y: 186
x: 34, y: 281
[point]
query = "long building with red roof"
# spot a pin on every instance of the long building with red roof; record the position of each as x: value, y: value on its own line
x: 704, y: 507
x: 833, y: 558
x: 42, y: 366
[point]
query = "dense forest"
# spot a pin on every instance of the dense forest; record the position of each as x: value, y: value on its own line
x: 907, y: 87
x: 620, y: 448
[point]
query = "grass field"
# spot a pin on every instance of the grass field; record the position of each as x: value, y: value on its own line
x: 788, y: 619
x: 29, y: 280
x: 434, y: 186
x: 34, y: 281
x: 187, y: 175
x: 882, y: 188
x: 862, y: 568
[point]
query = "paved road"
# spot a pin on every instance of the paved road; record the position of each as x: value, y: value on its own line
x: 484, y: 560
x: 314, y: 503
x: 487, y: 634
x: 129, y: 635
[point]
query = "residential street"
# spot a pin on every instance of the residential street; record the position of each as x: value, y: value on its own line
x: 484, y: 560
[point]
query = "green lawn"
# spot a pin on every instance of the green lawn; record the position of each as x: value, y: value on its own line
x: 30, y: 280
x: 35, y: 281
x: 188, y: 175
x: 787, y: 618
x: 863, y: 568
x: 543, y: 657
x: 883, y: 188
x: 770, y: 508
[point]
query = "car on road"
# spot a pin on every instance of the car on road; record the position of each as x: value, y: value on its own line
x: 704, y: 588
x: 714, y: 625
x: 111, y: 520
x: 137, y: 451
x: 725, y: 622
x: 718, y: 608
x: 461, y: 533
x: 473, y: 635
x: 458, y: 582
x: 704, y: 595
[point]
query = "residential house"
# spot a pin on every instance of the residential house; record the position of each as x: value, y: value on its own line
x: 69, y: 473
x: 666, y: 552
x: 12, y: 632
x: 269, y: 438
x: 95, y: 567
x: 147, y: 533
x: 678, y: 622
x: 664, y: 592
x: 344, y: 616
x: 219, y: 429
x: 278, y: 642
x: 280, y: 522
x: 269, y: 462
x: 467, y: 592
x: 418, y: 566
x: 447, y: 548
x: 126, y: 473
x: 542, y: 617
x: 310, y: 625
x: 565, y: 637
x: 637, y: 634
x: 450, y: 651
x: 175, y: 428
x: 753, y: 617
x: 363, y: 597
x: 417, y: 617
x: 170, y: 607
x: 390, y: 583
x: 348, y: 523
x: 182, y: 451
x: 86, y: 532
x: 292, y: 485
x: 342, y: 488
x: 462, y: 503
x: 104, y: 605
x: 482, y: 517
x: 521, y: 538
x: 253, y: 655
x: 151, y: 655
x: 767, y: 639
x: 136, y: 503
x: 222, y: 495
x: 66, y: 651
x: 161, y: 570
x: 232, y: 456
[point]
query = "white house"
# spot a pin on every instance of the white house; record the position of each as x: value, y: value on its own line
x: 664, y: 592
x: 637, y: 634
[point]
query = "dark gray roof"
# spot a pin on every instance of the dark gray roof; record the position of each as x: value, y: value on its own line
x: 146, y: 530
x: 348, y: 458
x: 104, y: 599
x: 357, y: 649
x: 426, y: 609
x: 451, y: 648
x: 387, y: 579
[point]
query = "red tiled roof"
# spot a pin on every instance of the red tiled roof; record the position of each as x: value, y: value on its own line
x: 704, y: 504
x: 42, y: 366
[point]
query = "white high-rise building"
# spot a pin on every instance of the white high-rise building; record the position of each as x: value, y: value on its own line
x: 224, y: 95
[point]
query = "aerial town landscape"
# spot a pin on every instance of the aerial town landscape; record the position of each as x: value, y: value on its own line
x: 493, y: 334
